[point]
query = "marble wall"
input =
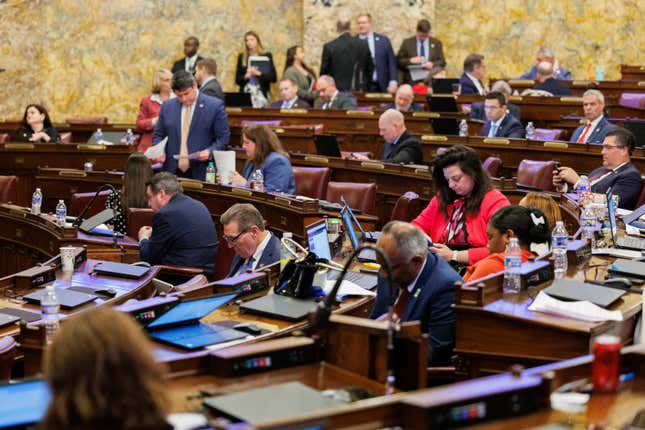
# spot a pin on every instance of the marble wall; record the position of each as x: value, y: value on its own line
x: 96, y: 57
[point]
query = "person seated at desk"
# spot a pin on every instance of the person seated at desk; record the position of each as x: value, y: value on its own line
x: 404, y: 101
x: 36, y: 126
x: 546, y: 54
x: 551, y: 211
x: 477, y: 111
x: 150, y: 105
x: 331, y: 97
x: 499, y: 123
x: 464, y: 201
x: 424, y: 283
x: 182, y: 232
x: 547, y: 81
x: 617, y: 172
x: 300, y: 73
x: 289, y: 93
x: 264, y: 152
x: 528, y: 225
x: 244, y: 231
x: 138, y: 171
x: 596, y: 127
x: 474, y: 72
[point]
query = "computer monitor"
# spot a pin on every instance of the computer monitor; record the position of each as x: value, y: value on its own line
x: 346, y: 216
x: 611, y: 208
x: 23, y: 403
x: 318, y: 240
x: 237, y: 100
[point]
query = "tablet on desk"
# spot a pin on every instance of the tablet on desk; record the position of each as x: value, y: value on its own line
x: 68, y: 299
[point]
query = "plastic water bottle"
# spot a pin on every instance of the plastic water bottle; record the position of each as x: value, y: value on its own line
x: 61, y: 213
x: 588, y: 223
x: 210, y: 173
x: 98, y: 135
x: 36, y: 201
x: 512, y: 263
x: 463, y: 128
x: 559, y: 240
x: 582, y: 185
x: 129, y: 137
x: 530, y: 131
x: 600, y: 73
x: 259, y: 181
x: 49, y: 308
x: 285, y: 255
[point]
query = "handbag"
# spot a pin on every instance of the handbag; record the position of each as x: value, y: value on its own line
x: 297, y: 277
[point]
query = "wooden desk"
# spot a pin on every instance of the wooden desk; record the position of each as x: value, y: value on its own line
x: 635, y: 73
x: 611, y: 89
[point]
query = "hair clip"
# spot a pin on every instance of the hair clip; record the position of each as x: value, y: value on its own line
x: 536, y: 220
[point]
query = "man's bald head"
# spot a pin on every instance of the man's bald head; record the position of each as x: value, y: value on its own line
x: 403, y: 98
x: 391, y: 125
x: 343, y: 25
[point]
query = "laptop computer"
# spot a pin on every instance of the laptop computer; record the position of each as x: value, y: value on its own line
x: 237, y: 99
x: 443, y: 103
x: 567, y: 289
x: 279, y: 307
x: 327, y: 144
x: 23, y: 403
x: 68, y: 299
x: 120, y: 270
x: 181, y: 326
x: 443, y: 86
x: 636, y: 126
x: 96, y: 220
x: 366, y: 255
x: 624, y: 242
x: 445, y: 126
x: 368, y: 236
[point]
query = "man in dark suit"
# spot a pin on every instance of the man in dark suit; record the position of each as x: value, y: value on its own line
x: 289, y: 93
x: 331, y: 97
x: 546, y: 54
x: 596, y: 127
x: 424, y: 284
x: 617, y: 171
x: 254, y: 246
x: 191, y: 45
x: 400, y: 145
x: 182, y: 232
x: 205, y: 71
x: 547, y: 81
x: 384, y: 77
x: 478, y: 112
x: 421, y: 49
x: 474, y: 72
x: 499, y: 123
x: 347, y: 59
x: 195, y: 125
x: 404, y: 101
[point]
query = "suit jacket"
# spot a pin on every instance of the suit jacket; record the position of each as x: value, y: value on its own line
x: 342, y: 101
x: 277, y: 173
x: 407, y: 150
x: 597, y: 135
x: 554, y: 87
x: 384, y: 61
x: 264, y: 80
x: 430, y: 303
x: 148, y: 110
x: 304, y: 83
x: 348, y: 60
x: 477, y: 111
x: 408, y: 49
x: 510, y: 127
x: 208, y: 130
x: 299, y: 104
x: 414, y: 107
x: 626, y: 182
x: 561, y: 74
x: 181, y: 65
x: 212, y: 88
x: 270, y: 255
x: 467, y: 85
x: 183, y: 234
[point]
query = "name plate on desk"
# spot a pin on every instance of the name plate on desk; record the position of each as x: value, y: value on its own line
x: 571, y: 100
x: 295, y: 111
x: 514, y: 98
x: 34, y: 277
x: 641, y: 83
x: 583, y: 83
x: 424, y: 114
x: 19, y: 146
x: 360, y: 112
x: 242, y: 191
x: 434, y: 138
x: 91, y: 147
x: 497, y: 141
x: 521, y: 82
x: 233, y: 110
x: 378, y: 95
x: 563, y: 145
x: 371, y: 165
x: 314, y: 159
x: 72, y: 173
x: 191, y: 184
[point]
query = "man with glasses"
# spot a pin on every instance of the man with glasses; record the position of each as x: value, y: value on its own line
x: 182, y: 232
x: 617, y: 171
x: 499, y: 123
x: 244, y: 231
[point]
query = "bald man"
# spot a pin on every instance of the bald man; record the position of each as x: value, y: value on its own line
x: 400, y: 145
x: 404, y: 101
x: 548, y: 82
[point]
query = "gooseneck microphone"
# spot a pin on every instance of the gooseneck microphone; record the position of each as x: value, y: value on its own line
x: 87, y: 207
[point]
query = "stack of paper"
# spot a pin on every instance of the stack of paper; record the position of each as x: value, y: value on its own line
x: 585, y: 311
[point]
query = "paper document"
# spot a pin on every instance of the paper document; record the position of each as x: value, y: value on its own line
x: 156, y: 151
x: 191, y: 156
x: 417, y: 72
x: 616, y: 252
x: 581, y: 310
x: 347, y: 288
x: 225, y: 164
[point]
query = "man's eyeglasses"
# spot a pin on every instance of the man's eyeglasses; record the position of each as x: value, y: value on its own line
x: 230, y: 239
x: 610, y: 146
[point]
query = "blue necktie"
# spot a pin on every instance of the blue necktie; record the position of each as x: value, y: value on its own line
x: 422, y: 51
x: 493, y: 130
x: 246, y: 266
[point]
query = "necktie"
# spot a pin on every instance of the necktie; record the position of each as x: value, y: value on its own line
x: 422, y: 50
x: 387, y: 150
x: 285, y: 105
x: 583, y: 135
x: 493, y: 130
x: 399, y: 306
x: 184, y: 162
x: 247, y: 266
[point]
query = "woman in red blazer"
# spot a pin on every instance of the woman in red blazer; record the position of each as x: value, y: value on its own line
x: 150, y: 105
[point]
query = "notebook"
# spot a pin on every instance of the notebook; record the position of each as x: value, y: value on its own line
x: 6, y: 320
x: 567, y: 289
x: 180, y: 326
x: 23, y: 403
x: 120, y: 270
x: 68, y: 299
x: 279, y: 307
x: 327, y: 144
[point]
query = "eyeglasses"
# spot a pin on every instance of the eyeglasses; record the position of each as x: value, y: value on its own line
x: 491, y: 107
x: 230, y: 239
x: 610, y: 146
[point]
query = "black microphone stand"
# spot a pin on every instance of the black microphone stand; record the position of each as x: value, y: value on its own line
x: 79, y: 218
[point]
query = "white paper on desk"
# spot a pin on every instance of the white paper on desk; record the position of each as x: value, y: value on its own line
x: 580, y: 310
x: 347, y: 288
x: 616, y: 252
x: 156, y: 151
x: 225, y: 163
x: 191, y: 156
x: 632, y: 231
x: 622, y: 212
x: 417, y: 72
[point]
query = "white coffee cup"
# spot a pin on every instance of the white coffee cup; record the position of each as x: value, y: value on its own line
x: 67, y: 258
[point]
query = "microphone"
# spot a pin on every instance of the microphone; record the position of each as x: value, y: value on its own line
x: 87, y: 207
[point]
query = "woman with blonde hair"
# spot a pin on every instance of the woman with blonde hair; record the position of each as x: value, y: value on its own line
x: 246, y: 73
x: 150, y: 106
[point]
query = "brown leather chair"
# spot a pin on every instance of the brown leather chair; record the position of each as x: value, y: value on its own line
x: 535, y: 175
x: 407, y: 207
x: 66, y: 137
x: 548, y: 134
x: 493, y: 165
x: 87, y: 120
x: 358, y: 195
x: 311, y: 181
x: 79, y: 200
x: 8, y: 353
x: 633, y: 100
x: 8, y: 186
x: 641, y: 198
x: 4, y: 137
x: 137, y: 218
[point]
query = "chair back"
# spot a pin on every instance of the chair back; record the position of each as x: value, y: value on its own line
x: 87, y: 120
x: 493, y: 165
x: 358, y: 195
x: 633, y: 100
x: 79, y: 200
x: 407, y: 207
x: 548, y: 134
x: 137, y: 218
x: 8, y: 186
x: 4, y: 137
x: 311, y: 181
x: 8, y: 352
x: 536, y: 175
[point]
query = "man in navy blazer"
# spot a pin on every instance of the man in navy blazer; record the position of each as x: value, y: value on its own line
x: 385, y: 74
x: 182, y: 232
x: 404, y: 101
x: 500, y: 123
x: 547, y: 81
x: 474, y: 72
x: 424, y: 284
x: 596, y: 127
x: 254, y: 246
x: 478, y: 112
x: 546, y: 54
x: 207, y: 128
x: 617, y: 171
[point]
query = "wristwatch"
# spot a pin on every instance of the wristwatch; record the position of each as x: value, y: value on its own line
x: 455, y: 254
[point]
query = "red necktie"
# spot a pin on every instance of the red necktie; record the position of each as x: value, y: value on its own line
x: 399, y: 306
x: 581, y: 139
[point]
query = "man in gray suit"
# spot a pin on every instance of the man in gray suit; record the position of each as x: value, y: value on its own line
x: 331, y: 97
x: 205, y: 71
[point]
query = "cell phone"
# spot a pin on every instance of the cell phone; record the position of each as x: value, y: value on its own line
x: 557, y: 166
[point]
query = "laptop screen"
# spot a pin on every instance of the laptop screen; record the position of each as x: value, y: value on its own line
x: 349, y: 226
x: 611, y: 208
x: 191, y: 310
x: 318, y: 240
x: 23, y: 403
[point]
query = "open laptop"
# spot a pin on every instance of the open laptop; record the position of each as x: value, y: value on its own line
x: 23, y: 403
x: 624, y: 242
x: 368, y: 236
x: 68, y: 299
x: 237, y: 99
x: 443, y: 86
x: 366, y: 255
x: 327, y: 144
x: 568, y: 289
x: 181, y: 326
x: 120, y: 270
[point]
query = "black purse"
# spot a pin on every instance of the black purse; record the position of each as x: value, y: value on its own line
x: 297, y: 277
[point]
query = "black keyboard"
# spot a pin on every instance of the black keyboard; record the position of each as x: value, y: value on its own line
x: 372, y: 236
x: 361, y: 279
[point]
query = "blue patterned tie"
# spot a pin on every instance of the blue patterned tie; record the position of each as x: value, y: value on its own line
x: 247, y: 266
x: 493, y: 130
